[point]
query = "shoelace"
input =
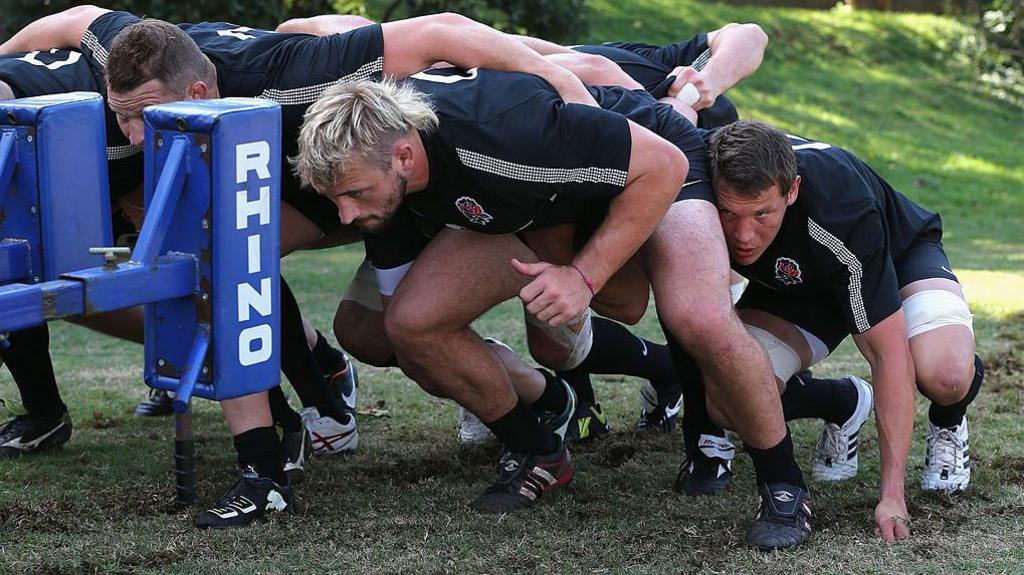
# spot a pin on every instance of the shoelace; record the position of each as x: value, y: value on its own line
x: 944, y: 446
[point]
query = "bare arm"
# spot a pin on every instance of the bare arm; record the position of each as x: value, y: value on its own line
x: 418, y: 43
x: 657, y: 170
x: 60, y: 30
x: 560, y: 294
x: 600, y: 71
x: 892, y: 372
x: 543, y: 47
x: 323, y: 25
x: 595, y: 70
x: 736, y: 52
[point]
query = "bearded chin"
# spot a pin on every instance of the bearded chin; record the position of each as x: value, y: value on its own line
x: 379, y: 223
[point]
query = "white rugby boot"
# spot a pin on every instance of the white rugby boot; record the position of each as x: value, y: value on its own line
x: 835, y: 457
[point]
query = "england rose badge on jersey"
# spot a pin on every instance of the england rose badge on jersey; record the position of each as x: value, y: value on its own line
x: 473, y: 211
x: 787, y: 271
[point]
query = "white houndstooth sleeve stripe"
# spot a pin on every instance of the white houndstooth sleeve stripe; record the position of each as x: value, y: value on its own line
x: 310, y: 94
x: 846, y: 257
x: 540, y: 175
x: 98, y: 51
x: 121, y: 152
x: 700, y: 61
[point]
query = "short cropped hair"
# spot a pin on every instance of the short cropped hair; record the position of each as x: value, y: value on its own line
x: 357, y: 120
x: 6, y: 93
x: 750, y: 157
x: 156, y: 50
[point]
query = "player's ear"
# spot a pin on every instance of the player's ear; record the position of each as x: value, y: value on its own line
x: 197, y: 90
x: 794, y: 191
x: 402, y: 156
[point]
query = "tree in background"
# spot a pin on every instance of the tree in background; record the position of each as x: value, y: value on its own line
x: 559, y: 20
x: 556, y: 20
x: 255, y: 13
x: 1005, y: 19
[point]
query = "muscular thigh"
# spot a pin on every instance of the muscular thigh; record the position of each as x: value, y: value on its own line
x: 687, y: 262
x: 458, y: 276
x: 624, y: 296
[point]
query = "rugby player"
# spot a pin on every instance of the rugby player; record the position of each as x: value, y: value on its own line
x: 151, y: 62
x: 712, y: 62
x: 831, y: 249
x: 500, y: 176
x: 725, y: 56
x: 410, y: 163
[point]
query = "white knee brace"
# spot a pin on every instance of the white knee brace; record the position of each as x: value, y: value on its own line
x: 736, y: 291
x: 576, y: 336
x: 935, y: 308
x: 785, y: 361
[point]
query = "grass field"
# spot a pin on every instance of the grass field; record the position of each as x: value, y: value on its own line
x: 897, y: 89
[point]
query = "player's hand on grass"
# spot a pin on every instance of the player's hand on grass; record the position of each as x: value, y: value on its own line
x: 705, y: 90
x: 557, y: 294
x: 892, y: 522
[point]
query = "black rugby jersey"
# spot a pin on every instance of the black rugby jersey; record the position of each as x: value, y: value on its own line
x: 291, y: 69
x: 510, y: 155
x: 841, y: 237
x: 651, y: 65
x: 59, y: 71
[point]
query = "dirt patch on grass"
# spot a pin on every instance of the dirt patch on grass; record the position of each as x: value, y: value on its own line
x: 127, y: 566
x: 614, y: 453
x: 81, y: 511
x: 39, y: 516
x: 1005, y: 371
x: 1010, y: 467
x: 412, y: 471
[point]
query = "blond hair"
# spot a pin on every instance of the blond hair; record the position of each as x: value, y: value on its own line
x: 357, y: 120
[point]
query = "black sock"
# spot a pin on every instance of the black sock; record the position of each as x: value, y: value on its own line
x: 617, y: 351
x: 284, y: 416
x: 554, y: 396
x: 28, y: 359
x: 579, y: 381
x: 329, y: 359
x: 520, y: 432
x: 952, y: 415
x: 776, y: 464
x: 261, y: 448
x: 696, y: 420
x: 298, y: 363
x: 833, y: 400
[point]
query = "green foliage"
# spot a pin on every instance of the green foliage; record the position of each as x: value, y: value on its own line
x: 1005, y: 20
x: 556, y: 20
x: 255, y: 13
